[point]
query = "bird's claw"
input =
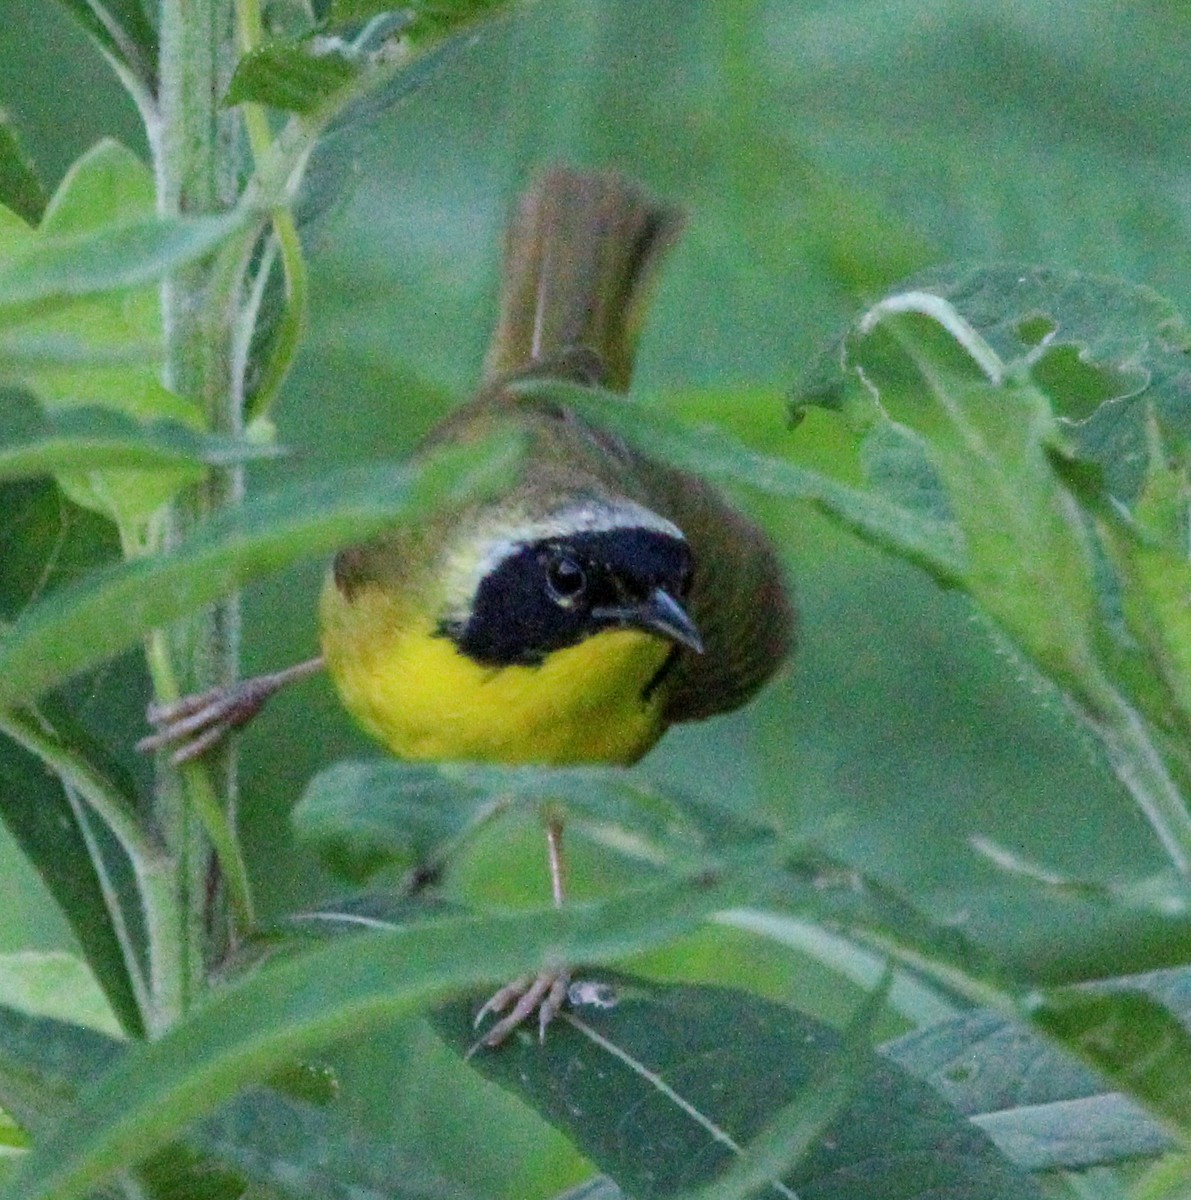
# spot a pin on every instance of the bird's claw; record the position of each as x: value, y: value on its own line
x: 546, y: 993
x: 195, y: 723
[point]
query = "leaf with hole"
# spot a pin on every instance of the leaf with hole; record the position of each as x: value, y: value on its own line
x: 663, y: 1086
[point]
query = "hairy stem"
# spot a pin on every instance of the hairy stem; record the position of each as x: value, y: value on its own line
x: 197, y: 173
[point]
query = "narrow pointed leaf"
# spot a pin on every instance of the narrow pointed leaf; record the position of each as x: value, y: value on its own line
x: 112, y: 608
x: 122, y: 29
x: 58, y: 270
x: 923, y: 537
x: 87, y: 439
x: 62, y: 840
x: 342, y: 987
x: 663, y: 1086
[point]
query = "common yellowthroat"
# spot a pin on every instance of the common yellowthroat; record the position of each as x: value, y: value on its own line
x: 603, y: 598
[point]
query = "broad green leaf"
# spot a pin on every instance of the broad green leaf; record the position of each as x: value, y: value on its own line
x: 1137, y: 1040
x: 55, y: 984
x: 124, y: 32
x: 1043, y: 1108
x: 1105, y: 351
x: 89, y: 439
x: 663, y: 1086
x: 346, y: 986
x: 989, y: 436
x: 365, y: 814
x: 109, y: 349
x: 20, y: 189
x: 920, y: 536
x: 84, y: 871
x: 298, y: 76
x: 112, y: 608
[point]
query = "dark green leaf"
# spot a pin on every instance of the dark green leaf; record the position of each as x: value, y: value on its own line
x: 84, y: 870
x: 20, y: 189
x: 345, y: 986
x: 364, y: 814
x: 123, y: 30
x: 662, y: 1089
x: 57, y: 270
x: 83, y: 439
x: 112, y: 608
x: 296, y: 76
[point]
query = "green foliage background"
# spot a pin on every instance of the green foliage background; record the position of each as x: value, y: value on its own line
x: 823, y: 150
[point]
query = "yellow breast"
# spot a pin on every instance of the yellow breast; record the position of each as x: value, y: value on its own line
x: 424, y: 699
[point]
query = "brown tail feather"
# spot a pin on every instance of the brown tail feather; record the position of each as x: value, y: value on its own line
x: 580, y: 255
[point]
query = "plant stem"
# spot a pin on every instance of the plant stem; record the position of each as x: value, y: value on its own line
x: 197, y: 174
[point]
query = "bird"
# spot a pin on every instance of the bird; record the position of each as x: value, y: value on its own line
x: 574, y: 617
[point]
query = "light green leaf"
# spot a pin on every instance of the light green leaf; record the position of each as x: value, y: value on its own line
x: 55, y: 984
x: 664, y: 1086
x: 103, y: 349
x: 112, y: 608
x: 58, y: 270
x: 348, y: 985
x: 90, y: 439
x: 1135, y: 1038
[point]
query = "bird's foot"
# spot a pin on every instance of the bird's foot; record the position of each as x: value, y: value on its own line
x: 546, y: 993
x: 195, y: 723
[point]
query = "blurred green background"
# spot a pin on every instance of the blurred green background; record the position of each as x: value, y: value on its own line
x: 823, y: 149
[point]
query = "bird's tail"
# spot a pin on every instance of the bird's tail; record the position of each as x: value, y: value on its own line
x: 580, y: 255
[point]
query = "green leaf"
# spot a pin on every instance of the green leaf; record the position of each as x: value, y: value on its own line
x: 104, y: 349
x: 296, y: 1149
x: 124, y: 32
x: 427, y: 19
x: 112, y: 608
x: 1133, y: 1038
x: 345, y: 986
x: 57, y: 270
x: 300, y: 75
x: 1044, y: 1109
x: 712, y: 453
x: 989, y: 435
x: 20, y: 189
x: 1106, y: 352
x: 82, y: 868
x: 663, y: 1088
x: 366, y: 814
x: 88, y: 439
x: 55, y: 984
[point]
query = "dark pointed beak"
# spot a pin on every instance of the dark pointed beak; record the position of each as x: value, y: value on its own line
x: 659, y: 613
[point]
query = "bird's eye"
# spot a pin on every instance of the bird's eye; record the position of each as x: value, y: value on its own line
x: 565, y: 580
